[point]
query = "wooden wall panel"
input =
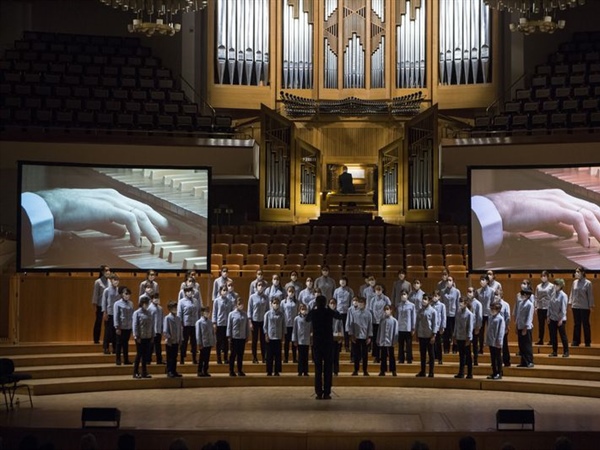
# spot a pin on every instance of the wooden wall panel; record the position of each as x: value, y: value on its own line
x: 58, y: 308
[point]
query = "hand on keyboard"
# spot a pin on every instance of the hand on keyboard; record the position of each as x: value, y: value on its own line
x: 107, y: 211
x: 550, y: 210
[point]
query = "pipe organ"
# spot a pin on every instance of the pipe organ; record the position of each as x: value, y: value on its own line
x: 298, y: 49
x: 411, y: 53
x: 465, y: 41
x: 242, y: 42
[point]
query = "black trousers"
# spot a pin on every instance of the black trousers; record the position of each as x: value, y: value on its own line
x: 109, y: 335
x: 476, y: 345
x: 303, y: 360
x: 581, y: 318
x: 346, y: 336
x: 482, y: 333
x: 172, y: 351
x: 427, y: 353
x: 323, y: 355
x: 222, y: 343
x: 287, y: 342
x: 496, y: 360
x: 505, y: 351
x: 204, y: 360
x: 437, y: 347
x: 257, y: 331
x: 158, y: 348
x: 448, y: 332
x: 97, y: 324
x: 525, y: 347
x: 143, y: 348
x: 554, y: 329
x: 335, y: 356
x: 189, y: 334
x: 464, y: 357
x: 237, y: 354
x: 387, y: 353
x: 374, y: 346
x: 274, y: 356
x: 542, y: 316
x: 405, y: 346
x: 361, y: 353
x: 123, y: 345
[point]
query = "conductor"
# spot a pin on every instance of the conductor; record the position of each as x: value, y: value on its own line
x: 321, y: 318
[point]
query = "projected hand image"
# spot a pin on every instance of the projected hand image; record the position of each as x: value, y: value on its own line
x: 106, y: 211
x: 549, y: 210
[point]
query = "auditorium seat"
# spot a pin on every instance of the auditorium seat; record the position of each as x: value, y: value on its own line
x: 255, y: 258
x: 259, y: 247
x: 249, y: 270
x: 297, y: 247
x: 234, y: 258
x: 295, y: 258
x: 276, y: 258
x: 216, y: 259
x: 239, y: 247
x: 396, y: 259
x: 220, y: 248
x: 355, y: 248
x: 354, y: 259
x: 454, y: 259
x: 315, y: 259
x: 434, y: 259
x: 334, y: 259
x: 278, y: 247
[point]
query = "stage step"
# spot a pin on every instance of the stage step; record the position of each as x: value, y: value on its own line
x: 81, y: 367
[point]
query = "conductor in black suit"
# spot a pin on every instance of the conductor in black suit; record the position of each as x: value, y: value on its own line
x: 321, y: 318
x: 345, y: 182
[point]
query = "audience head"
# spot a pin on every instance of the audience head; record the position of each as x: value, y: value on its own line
x: 366, y: 445
x: 88, y: 442
x: 467, y: 443
x: 126, y: 442
x: 178, y: 444
x: 563, y: 443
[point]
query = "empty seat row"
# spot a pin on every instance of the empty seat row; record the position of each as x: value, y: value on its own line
x: 73, y: 57
x: 66, y: 38
x: 28, y: 69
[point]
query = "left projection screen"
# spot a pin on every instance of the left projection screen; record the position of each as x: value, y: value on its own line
x: 76, y: 217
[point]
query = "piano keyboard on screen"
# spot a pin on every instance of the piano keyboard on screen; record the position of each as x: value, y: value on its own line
x: 179, y: 195
x: 582, y: 182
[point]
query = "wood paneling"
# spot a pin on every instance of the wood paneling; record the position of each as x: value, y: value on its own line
x: 58, y: 308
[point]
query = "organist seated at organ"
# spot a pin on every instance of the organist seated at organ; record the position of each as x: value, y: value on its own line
x: 49, y: 212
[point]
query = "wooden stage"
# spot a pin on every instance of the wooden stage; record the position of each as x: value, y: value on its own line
x: 268, y: 413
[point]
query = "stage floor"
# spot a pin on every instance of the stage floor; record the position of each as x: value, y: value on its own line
x: 361, y: 410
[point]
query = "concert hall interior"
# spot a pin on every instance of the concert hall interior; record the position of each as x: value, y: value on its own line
x: 368, y: 136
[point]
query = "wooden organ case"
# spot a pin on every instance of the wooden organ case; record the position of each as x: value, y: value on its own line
x: 335, y: 50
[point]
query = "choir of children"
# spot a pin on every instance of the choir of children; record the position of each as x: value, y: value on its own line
x: 276, y: 315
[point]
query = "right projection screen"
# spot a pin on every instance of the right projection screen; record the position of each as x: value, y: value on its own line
x: 534, y: 218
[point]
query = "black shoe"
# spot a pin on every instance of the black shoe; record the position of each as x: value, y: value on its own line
x: 158, y: 362
x: 355, y: 373
x: 206, y: 374
x: 269, y: 374
x: 295, y: 361
x: 285, y: 361
x: 377, y: 360
x: 522, y: 365
x: 382, y: 374
x: 106, y: 352
x: 409, y: 362
x: 552, y: 355
x: 575, y: 344
x: 430, y: 375
x: 469, y: 377
x: 96, y: 342
x: 171, y: 375
x: 420, y: 375
x: 255, y: 361
x: 219, y: 361
x: 118, y: 362
x: 128, y: 363
x: 200, y: 375
x: 327, y: 397
x: 394, y: 374
x: 530, y: 365
x: 319, y: 397
x: 548, y: 343
x: 475, y: 363
x: 539, y: 343
x: 365, y: 374
x: 277, y: 374
x: 588, y: 345
x: 146, y: 375
x: 182, y: 361
x: 459, y: 375
x: 232, y: 374
x: 565, y: 355
x: 494, y: 377
x: 440, y: 362
x: 305, y: 374
x: 299, y: 374
x: 195, y: 361
x: 241, y: 374
x: 178, y: 375
x: 137, y: 376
